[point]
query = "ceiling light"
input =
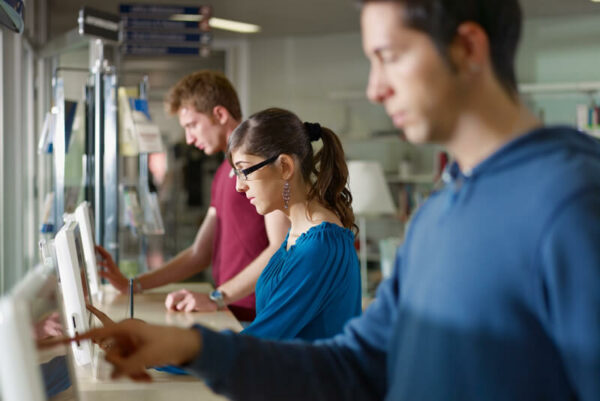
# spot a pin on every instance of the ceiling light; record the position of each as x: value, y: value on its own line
x: 228, y: 25
x: 219, y: 23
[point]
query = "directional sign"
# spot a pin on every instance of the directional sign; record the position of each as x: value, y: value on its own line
x: 147, y: 24
x: 140, y: 50
x: 151, y: 29
x: 163, y: 37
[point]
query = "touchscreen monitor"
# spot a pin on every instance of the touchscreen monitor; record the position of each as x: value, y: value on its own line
x: 83, y: 216
x: 73, y: 285
x: 31, y: 313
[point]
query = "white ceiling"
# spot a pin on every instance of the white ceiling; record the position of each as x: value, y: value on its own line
x: 291, y: 17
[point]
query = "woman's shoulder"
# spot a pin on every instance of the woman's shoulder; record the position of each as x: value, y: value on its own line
x: 324, y: 235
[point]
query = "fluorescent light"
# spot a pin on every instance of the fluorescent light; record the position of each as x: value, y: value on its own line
x: 219, y: 23
x: 228, y: 25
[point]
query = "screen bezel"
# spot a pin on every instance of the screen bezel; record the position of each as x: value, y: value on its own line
x: 20, y: 365
x: 70, y: 272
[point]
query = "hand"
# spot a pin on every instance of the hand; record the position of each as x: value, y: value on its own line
x: 187, y: 301
x: 106, y: 322
x: 50, y: 326
x: 136, y: 345
x: 110, y: 271
x: 103, y: 317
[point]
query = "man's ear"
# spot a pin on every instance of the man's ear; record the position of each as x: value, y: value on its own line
x: 470, y: 49
x: 220, y: 114
x: 287, y: 166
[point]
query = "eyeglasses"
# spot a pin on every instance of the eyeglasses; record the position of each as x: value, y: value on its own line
x: 243, y: 174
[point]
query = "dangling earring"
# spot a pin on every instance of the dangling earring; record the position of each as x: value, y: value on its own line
x: 286, y: 194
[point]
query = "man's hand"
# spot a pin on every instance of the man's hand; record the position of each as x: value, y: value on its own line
x: 103, y: 317
x: 187, y: 301
x: 110, y: 271
x: 136, y: 345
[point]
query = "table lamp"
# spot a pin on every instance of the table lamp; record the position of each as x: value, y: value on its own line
x: 370, y: 197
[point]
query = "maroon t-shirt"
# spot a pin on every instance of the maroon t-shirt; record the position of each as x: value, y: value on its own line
x: 240, y: 235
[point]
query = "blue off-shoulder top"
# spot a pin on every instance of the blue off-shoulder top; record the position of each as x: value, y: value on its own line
x: 311, y: 290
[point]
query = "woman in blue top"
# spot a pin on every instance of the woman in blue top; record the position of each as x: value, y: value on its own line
x: 311, y: 286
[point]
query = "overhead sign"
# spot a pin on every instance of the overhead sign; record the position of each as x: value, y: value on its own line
x: 158, y: 10
x: 141, y: 50
x: 146, y: 24
x: 98, y: 23
x: 151, y: 29
x: 162, y: 37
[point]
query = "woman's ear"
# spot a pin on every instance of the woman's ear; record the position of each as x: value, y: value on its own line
x: 287, y: 166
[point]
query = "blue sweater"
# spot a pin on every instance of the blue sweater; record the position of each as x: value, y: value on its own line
x: 311, y: 290
x: 495, y: 296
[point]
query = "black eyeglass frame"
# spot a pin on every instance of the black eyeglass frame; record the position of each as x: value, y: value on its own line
x: 244, y: 173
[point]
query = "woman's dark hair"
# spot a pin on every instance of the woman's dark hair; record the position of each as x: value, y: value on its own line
x: 274, y: 131
x: 500, y: 19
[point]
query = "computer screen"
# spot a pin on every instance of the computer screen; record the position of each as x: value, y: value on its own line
x: 73, y: 285
x: 83, y: 216
x: 31, y: 314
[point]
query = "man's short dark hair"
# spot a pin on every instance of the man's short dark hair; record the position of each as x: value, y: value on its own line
x: 500, y: 19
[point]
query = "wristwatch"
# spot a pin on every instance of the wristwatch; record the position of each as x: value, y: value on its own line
x: 217, y: 297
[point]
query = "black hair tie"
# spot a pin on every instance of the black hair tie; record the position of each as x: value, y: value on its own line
x: 313, y: 130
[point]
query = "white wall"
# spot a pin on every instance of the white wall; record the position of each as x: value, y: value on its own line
x: 563, y: 49
x: 555, y: 50
x: 302, y: 74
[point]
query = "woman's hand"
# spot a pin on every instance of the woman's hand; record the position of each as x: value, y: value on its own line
x: 187, y: 301
x: 136, y: 345
x: 110, y: 271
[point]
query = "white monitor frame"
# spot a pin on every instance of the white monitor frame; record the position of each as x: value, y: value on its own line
x: 20, y: 373
x: 69, y: 271
x: 83, y: 216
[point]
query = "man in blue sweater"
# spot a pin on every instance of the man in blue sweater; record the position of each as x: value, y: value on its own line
x: 496, y: 291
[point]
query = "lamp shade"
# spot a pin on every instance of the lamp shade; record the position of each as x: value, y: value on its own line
x: 370, y: 192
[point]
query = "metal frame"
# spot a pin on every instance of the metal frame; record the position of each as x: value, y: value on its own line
x: 59, y: 150
x: 110, y: 166
x: 2, y: 147
x: 98, y: 151
x: 31, y: 196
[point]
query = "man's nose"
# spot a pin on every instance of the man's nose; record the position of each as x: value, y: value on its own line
x: 378, y: 88
x: 189, y: 139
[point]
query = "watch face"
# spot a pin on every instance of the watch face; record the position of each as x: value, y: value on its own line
x: 217, y: 297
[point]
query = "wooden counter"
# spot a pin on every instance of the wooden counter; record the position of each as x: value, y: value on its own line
x: 95, y: 384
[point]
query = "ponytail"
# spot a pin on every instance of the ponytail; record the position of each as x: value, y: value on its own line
x: 331, y: 173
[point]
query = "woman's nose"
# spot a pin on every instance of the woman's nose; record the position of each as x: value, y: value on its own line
x: 240, y: 184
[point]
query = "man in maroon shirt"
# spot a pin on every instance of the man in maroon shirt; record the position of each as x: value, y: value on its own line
x: 233, y: 236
